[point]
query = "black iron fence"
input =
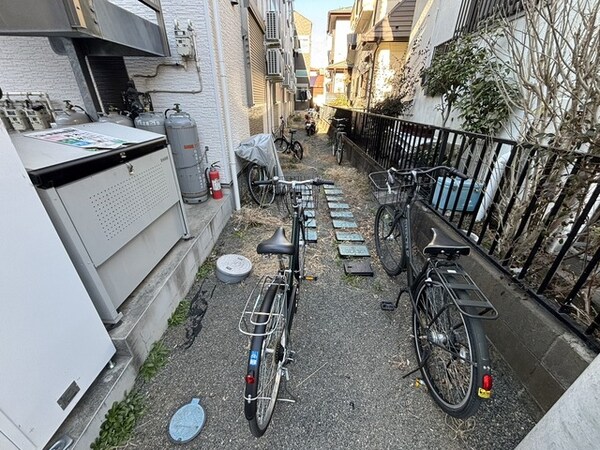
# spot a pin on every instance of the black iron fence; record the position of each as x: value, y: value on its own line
x: 534, y: 212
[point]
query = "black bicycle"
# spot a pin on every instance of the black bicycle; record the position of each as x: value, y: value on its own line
x: 448, y: 307
x: 291, y: 145
x: 337, y: 147
x: 269, y: 311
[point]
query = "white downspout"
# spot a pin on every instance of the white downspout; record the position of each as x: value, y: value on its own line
x: 221, y: 79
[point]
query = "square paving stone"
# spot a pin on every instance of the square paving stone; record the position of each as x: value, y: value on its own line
x: 335, y: 198
x: 311, y: 235
x: 309, y: 212
x: 358, y: 268
x: 333, y: 205
x: 310, y: 223
x: 339, y: 214
x: 353, y: 250
x: 349, y: 236
x: 333, y: 190
x: 344, y: 224
x: 308, y: 204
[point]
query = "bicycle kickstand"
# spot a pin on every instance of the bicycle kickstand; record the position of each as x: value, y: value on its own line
x: 389, y: 306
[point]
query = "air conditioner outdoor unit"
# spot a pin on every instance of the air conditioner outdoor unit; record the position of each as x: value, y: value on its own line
x: 273, y: 31
x: 274, y: 63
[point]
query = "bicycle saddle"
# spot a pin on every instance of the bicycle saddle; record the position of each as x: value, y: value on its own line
x: 441, y: 244
x: 276, y: 244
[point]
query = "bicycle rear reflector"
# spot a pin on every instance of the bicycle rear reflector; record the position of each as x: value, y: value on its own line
x: 250, y: 379
x: 485, y: 391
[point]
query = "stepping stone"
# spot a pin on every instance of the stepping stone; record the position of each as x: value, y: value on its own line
x: 310, y: 223
x: 353, y: 250
x: 344, y: 224
x: 308, y: 204
x: 337, y: 214
x: 338, y: 205
x: 358, y: 268
x: 311, y: 236
x: 348, y: 236
x: 335, y: 198
x: 333, y: 190
x: 309, y: 212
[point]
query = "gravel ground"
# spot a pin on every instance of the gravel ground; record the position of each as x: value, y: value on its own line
x: 350, y: 358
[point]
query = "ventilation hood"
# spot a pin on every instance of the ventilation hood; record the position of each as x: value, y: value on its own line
x: 99, y: 26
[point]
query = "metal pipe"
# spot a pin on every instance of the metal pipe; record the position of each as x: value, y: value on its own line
x: 222, y: 110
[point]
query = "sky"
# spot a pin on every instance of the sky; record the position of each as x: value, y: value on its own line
x: 316, y: 12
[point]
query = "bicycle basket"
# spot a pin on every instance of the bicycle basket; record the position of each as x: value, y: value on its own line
x: 384, y: 192
x: 309, y: 193
x: 396, y: 192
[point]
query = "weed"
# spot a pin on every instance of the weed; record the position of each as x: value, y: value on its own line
x: 180, y: 314
x: 156, y: 360
x: 352, y: 281
x: 205, y: 269
x: 119, y: 422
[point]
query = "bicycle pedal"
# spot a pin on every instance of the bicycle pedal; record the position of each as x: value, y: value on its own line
x: 387, y: 306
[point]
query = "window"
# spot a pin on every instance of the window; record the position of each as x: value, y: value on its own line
x: 475, y: 12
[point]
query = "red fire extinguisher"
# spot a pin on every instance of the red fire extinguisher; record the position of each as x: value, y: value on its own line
x: 212, y: 176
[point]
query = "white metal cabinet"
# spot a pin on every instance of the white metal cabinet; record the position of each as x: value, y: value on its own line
x: 52, y: 343
x: 117, y: 212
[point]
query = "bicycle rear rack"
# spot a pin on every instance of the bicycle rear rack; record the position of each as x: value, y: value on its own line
x: 465, y: 294
x: 251, y: 313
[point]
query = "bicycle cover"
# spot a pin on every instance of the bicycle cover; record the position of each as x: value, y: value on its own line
x: 260, y: 149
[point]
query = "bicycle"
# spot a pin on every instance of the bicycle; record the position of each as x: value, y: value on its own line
x: 337, y: 148
x: 268, y: 314
x: 263, y: 195
x: 447, y: 305
x: 285, y: 145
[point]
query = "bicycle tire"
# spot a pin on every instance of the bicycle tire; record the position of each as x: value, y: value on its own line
x: 262, y: 195
x: 334, y: 144
x: 265, y: 361
x: 281, y: 145
x: 452, y: 380
x: 389, y: 240
x: 339, y: 152
x: 298, y: 151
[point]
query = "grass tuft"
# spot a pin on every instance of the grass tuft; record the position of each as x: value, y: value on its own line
x: 119, y: 422
x: 156, y: 360
x: 180, y: 314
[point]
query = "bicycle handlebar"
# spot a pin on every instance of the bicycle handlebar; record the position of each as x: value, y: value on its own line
x: 277, y: 180
x: 424, y: 171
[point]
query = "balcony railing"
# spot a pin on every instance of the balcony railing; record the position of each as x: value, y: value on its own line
x: 474, y: 13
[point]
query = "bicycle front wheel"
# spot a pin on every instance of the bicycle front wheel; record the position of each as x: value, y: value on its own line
x: 339, y: 151
x: 265, y: 194
x: 265, y: 362
x: 298, y: 151
x: 451, y: 347
x: 281, y: 145
x: 389, y: 240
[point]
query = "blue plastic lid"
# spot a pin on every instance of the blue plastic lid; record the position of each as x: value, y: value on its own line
x: 187, y: 422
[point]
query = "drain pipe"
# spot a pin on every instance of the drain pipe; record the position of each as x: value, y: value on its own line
x: 221, y: 79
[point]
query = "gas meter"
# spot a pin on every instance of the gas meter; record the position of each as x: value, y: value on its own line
x: 183, y: 41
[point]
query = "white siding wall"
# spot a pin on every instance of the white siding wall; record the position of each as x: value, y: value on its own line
x: 29, y: 64
x: 434, y: 24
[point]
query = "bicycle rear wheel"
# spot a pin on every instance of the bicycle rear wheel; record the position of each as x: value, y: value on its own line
x: 452, y: 348
x: 265, y: 362
x: 389, y: 240
x: 262, y: 195
x: 298, y: 151
x: 281, y: 145
x: 339, y: 150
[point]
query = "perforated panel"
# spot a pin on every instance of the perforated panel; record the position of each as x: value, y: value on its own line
x: 110, y: 208
x: 121, y: 205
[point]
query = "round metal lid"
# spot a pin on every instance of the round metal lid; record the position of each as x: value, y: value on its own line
x: 187, y: 422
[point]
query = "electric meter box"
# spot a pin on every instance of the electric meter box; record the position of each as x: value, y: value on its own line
x: 118, y: 212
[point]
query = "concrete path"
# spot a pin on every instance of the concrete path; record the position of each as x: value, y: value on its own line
x: 350, y: 355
